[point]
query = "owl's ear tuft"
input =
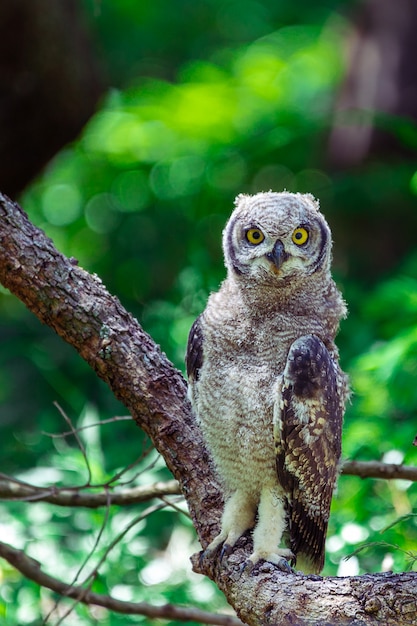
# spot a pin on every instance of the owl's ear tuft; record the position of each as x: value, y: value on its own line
x: 313, y: 200
x: 240, y: 197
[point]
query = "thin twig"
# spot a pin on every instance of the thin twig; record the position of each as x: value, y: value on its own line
x: 119, y: 537
x: 143, y: 456
x: 78, y: 440
x: 116, y: 418
x: 175, y: 506
x: 92, y: 575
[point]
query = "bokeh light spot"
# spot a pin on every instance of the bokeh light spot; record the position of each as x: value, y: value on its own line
x: 61, y: 204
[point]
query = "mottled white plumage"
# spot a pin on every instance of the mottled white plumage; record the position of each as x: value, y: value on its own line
x: 264, y: 379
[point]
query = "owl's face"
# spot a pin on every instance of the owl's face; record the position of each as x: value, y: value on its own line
x: 276, y: 238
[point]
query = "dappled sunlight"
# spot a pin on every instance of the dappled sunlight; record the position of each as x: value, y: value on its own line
x: 205, y: 101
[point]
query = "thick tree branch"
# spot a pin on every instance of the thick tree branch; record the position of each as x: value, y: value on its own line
x: 31, y: 569
x: 78, y: 307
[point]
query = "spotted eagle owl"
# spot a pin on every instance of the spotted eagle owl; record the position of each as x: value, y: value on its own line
x: 265, y: 382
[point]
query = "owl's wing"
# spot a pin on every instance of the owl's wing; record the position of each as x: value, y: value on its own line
x: 308, y: 424
x: 194, y: 354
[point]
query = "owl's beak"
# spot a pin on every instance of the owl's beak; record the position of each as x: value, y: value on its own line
x: 277, y: 255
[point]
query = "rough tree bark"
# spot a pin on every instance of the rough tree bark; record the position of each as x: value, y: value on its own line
x: 79, y: 308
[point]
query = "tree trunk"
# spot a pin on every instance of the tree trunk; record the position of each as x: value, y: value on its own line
x: 376, y: 109
x: 79, y: 308
x: 50, y: 83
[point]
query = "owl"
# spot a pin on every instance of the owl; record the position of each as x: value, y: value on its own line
x: 265, y: 382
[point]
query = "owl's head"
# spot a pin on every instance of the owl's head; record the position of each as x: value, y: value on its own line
x: 275, y: 238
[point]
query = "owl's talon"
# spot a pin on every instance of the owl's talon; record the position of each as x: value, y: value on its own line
x: 225, y: 551
x: 284, y: 566
x: 247, y: 565
x: 212, y: 551
x: 281, y: 563
x: 201, y: 558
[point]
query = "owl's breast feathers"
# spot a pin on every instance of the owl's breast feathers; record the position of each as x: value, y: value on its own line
x: 262, y: 365
x: 307, y: 428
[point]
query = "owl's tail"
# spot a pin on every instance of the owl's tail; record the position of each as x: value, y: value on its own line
x: 307, y: 565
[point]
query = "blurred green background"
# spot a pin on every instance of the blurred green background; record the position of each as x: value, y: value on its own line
x: 192, y: 103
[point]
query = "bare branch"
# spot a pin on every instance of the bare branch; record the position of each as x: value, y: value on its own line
x: 31, y: 569
x: 110, y: 420
x: 78, y: 440
x: 12, y: 489
x: 377, y: 469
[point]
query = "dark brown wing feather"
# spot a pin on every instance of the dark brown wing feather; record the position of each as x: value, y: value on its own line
x: 308, y: 443
x: 194, y: 355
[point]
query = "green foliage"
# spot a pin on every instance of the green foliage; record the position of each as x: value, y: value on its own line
x: 153, y: 546
x: 380, y: 425
x: 240, y: 100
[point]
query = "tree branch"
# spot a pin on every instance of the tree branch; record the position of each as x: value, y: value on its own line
x: 31, y: 569
x: 78, y: 307
x: 12, y: 489
x: 377, y: 469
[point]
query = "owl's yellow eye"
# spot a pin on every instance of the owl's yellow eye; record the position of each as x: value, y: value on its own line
x: 254, y: 236
x: 300, y: 236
